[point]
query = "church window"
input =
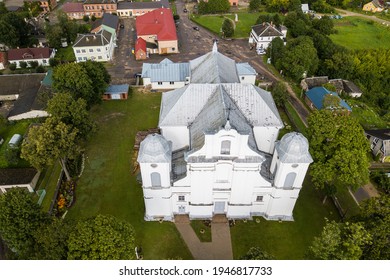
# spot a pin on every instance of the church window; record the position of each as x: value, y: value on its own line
x: 225, y: 147
x: 156, y: 179
x: 259, y: 198
x: 181, y: 198
x: 159, y: 83
x: 153, y: 165
x: 289, y: 182
x: 294, y: 165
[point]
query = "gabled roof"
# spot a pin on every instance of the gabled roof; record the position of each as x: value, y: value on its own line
x: 108, y: 20
x: 166, y: 70
x: 266, y: 30
x: 29, y: 53
x: 383, y: 134
x: 158, y: 22
x: 100, y: 38
x: 317, y: 95
x: 143, y: 5
x: 245, y: 69
x: 213, y: 68
x: 16, y: 176
x: 182, y: 106
x: 73, y: 8
x: 140, y: 44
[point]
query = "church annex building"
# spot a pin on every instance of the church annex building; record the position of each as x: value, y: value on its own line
x: 218, y: 151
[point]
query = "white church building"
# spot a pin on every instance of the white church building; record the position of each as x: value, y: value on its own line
x: 218, y: 154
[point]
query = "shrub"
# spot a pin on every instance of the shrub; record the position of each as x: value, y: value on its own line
x: 40, y: 69
x: 33, y: 64
x: 53, y: 62
x: 23, y: 64
x: 85, y: 18
x: 227, y: 28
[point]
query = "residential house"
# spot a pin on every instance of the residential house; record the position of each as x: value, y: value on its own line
x: 74, y: 10
x: 375, y: 6
x: 210, y: 68
x: 165, y: 75
x: 315, y: 98
x: 135, y: 9
x: 262, y: 35
x: 94, y: 46
x: 140, y: 49
x: 158, y: 29
x: 109, y: 23
x: 18, y: 178
x: 3, y: 60
x: 379, y: 142
x: 47, y: 5
x: 218, y: 154
x: 40, y: 55
x: 21, y: 94
x: 342, y: 86
x: 98, y: 7
x: 116, y: 92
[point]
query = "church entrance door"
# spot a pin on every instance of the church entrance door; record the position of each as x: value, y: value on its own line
x: 219, y: 207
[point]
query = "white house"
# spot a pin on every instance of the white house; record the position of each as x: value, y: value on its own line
x: 40, y: 55
x: 211, y: 68
x: 165, y: 75
x: 218, y: 154
x: 94, y: 46
x: 262, y: 35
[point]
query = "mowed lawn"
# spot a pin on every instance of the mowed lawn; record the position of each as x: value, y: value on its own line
x: 357, y: 33
x: 286, y: 240
x: 108, y: 185
x: 214, y: 23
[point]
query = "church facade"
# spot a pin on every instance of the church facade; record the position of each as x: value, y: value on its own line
x: 218, y: 152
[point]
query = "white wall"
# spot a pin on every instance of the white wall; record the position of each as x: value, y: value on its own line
x: 29, y: 115
x: 265, y: 138
x: 101, y: 53
x: 165, y: 85
x: 179, y: 135
x: 247, y: 79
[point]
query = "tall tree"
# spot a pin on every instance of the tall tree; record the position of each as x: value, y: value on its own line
x: 256, y: 253
x: 300, y: 57
x: 20, y: 217
x: 49, y: 142
x: 340, y: 241
x: 14, y: 31
x: 227, y: 28
x: 64, y: 108
x: 254, y: 5
x: 375, y: 214
x: 280, y: 93
x: 102, y: 238
x: 324, y: 25
x: 339, y: 149
x: 277, y: 52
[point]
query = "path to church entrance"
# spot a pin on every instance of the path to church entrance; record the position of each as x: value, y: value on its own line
x: 221, y: 246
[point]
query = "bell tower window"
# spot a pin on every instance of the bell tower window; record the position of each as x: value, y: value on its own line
x: 225, y: 147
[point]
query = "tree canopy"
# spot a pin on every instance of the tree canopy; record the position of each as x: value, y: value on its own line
x: 20, y: 217
x: 14, y: 31
x: 102, y: 238
x: 256, y: 253
x: 213, y: 6
x: 280, y: 93
x: 227, y: 28
x: 254, y: 5
x: 339, y: 149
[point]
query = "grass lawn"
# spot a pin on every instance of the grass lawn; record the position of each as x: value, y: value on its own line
x: 66, y: 54
x: 367, y: 116
x: 7, y: 131
x: 286, y: 240
x: 296, y: 120
x: 48, y: 181
x: 357, y: 33
x: 214, y: 22
x: 198, y: 226
x: 108, y: 186
x: 347, y: 202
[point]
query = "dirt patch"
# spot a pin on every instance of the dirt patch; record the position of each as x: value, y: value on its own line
x: 371, y: 190
x: 111, y: 116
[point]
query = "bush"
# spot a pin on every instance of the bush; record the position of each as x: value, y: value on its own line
x: 33, y: 64
x: 53, y: 62
x: 176, y: 17
x: 85, y: 18
x: 381, y: 179
x: 227, y: 28
x: 12, y: 66
x: 23, y: 64
x: 93, y: 18
x: 12, y: 155
x: 40, y: 69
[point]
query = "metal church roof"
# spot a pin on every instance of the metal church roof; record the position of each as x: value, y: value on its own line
x: 155, y: 149
x: 166, y: 70
x: 293, y: 148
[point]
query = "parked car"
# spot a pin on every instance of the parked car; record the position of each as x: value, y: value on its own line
x: 196, y: 28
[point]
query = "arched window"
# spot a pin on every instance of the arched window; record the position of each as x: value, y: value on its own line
x: 289, y: 182
x: 225, y: 147
x: 156, y: 179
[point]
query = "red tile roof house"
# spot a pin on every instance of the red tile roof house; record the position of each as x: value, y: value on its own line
x: 158, y: 29
x: 74, y: 10
x: 41, y: 55
x: 140, y: 49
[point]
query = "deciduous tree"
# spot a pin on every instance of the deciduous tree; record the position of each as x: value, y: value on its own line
x: 20, y: 217
x: 49, y: 142
x: 254, y: 5
x: 102, y: 238
x: 256, y: 253
x: 339, y: 149
x: 227, y: 28
x: 280, y: 93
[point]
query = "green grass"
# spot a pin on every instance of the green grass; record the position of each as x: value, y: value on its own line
x: 357, y: 33
x: 48, y: 182
x: 296, y: 120
x: 367, y: 116
x: 7, y: 131
x: 214, y: 22
x: 347, y: 202
x: 66, y: 54
x: 286, y: 240
x: 108, y: 185
x: 198, y: 226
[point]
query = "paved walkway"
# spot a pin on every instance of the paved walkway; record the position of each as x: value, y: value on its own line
x: 219, y: 249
